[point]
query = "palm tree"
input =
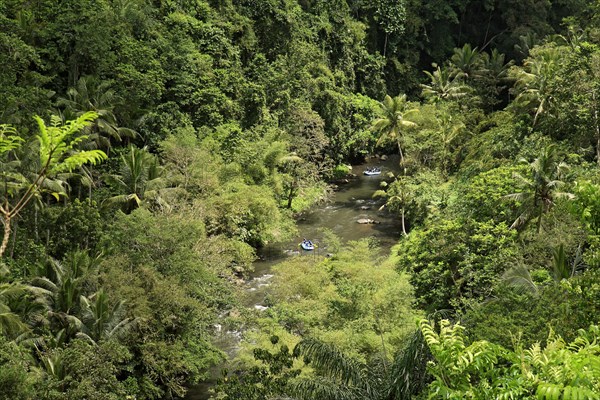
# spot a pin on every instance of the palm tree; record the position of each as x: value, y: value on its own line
x: 62, y: 285
x: 140, y: 179
x: 11, y: 324
x: 91, y: 94
x: 339, y: 377
x: 527, y: 42
x: 101, y: 320
x: 563, y: 267
x: 541, y: 190
x: 449, y: 130
x: 395, y: 119
x: 444, y: 85
x: 494, y: 65
x: 466, y: 61
x: 492, y: 77
x: 533, y: 82
x: 398, y: 197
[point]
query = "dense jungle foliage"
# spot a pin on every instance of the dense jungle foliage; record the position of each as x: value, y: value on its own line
x: 149, y: 148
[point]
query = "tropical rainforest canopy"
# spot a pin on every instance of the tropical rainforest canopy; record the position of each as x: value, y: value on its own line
x: 149, y: 148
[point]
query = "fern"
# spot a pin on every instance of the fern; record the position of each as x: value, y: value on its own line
x: 9, y: 139
x: 56, y: 141
x: 484, y: 370
x: 78, y: 159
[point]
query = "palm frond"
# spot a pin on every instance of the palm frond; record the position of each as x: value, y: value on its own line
x: 408, y: 375
x: 123, y: 199
x: 519, y: 277
x: 44, y: 285
x: 331, y: 361
x: 521, y: 220
x: 11, y: 324
x: 322, y: 389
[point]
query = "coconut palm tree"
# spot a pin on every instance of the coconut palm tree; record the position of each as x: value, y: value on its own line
x: 541, y: 190
x: 394, y: 121
x: 140, y: 180
x: 337, y: 375
x: 494, y: 65
x: 62, y: 284
x: 398, y: 197
x: 526, y: 43
x: 449, y: 130
x: 533, y: 82
x: 444, y: 85
x: 466, y: 61
x: 101, y: 319
x: 92, y: 94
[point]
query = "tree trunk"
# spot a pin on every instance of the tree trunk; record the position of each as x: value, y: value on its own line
x: 385, y: 44
x: 290, y: 197
x: 14, y: 239
x: 6, y: 235
x: 403, y: 225
x: 401, y: 157
x: 597, y: 143
x: 597, y: 126
x: 35, y: 225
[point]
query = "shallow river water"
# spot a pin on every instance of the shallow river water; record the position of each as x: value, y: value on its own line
x: 351, y: 202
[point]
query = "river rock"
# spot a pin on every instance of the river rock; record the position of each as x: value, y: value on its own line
x: 365, y: 207
x: 384, y: 157
x: 367, y: 221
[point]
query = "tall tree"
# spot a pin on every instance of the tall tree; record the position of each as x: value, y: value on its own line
x: 534, y: 81
x: 398, y: 197
x: 542, y: 188
x: 395, y: 119
x: 391, y: 17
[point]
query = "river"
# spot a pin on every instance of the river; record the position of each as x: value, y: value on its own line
x: 352, y: 201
